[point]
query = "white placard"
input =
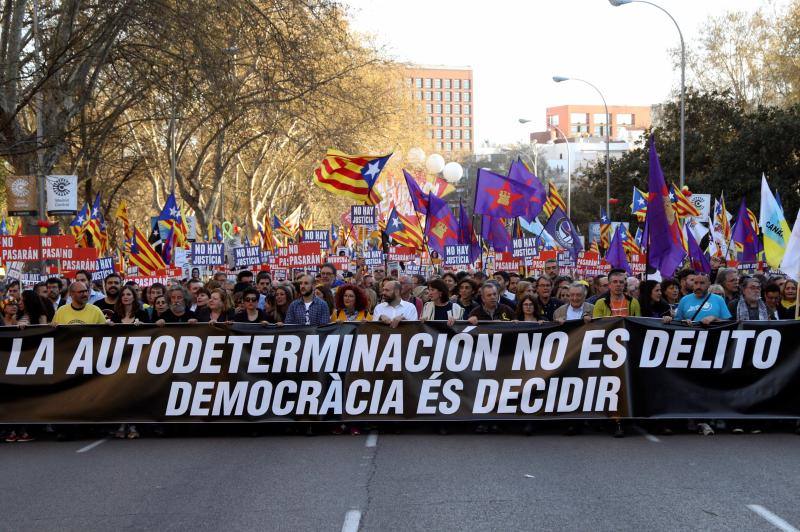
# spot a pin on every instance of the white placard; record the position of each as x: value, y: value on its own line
x: 62, y: 194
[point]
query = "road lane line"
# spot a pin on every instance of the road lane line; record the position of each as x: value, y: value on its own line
x: 372, y: 439
x: 351, y: 521
x: 774, y: 520
x: 91, y: 446
x: 647, y: 435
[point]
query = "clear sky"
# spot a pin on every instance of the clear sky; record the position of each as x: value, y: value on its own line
x: 515, y: 47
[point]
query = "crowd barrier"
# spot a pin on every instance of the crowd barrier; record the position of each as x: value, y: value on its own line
x: 608, y: 368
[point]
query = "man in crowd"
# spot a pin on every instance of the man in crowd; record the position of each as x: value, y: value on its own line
x: 576, y: 308
x: 728, y: 278
x: 749, y: 306
x: 490, y: 308
x: 179, y: 311
x: 327, y: 277
x: 772, y: 299
x: 505, y: 297
x: 308, y: 309
x: 112, y: 284
x: 599, y: 287
x: 193, y: 286
x: 615, y: 302
x: 244, y: 279
x: 264, y: 287
x: 54, y: 288
x: 12, y: 289
x: 155, y: 290
x: 393, y: 309
x: 379, y: 274
x: 513, y: 281
x: 79, y: 311
x: 685, y: 279
x: 86, y: 278
x: 700, y: 306
x: 544, y: 292
x: 551, y: 269
x: 406, y: 292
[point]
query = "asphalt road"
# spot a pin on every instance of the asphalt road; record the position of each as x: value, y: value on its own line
x: 408, y: 481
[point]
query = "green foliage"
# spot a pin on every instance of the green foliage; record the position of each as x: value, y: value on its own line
x: 727, y: 149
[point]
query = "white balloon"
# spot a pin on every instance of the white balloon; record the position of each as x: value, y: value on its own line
x: 415, y: 156
x: 452, y: 172
x: 435, y: 163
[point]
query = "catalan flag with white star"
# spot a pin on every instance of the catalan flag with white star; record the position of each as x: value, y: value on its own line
x: 352, y: 176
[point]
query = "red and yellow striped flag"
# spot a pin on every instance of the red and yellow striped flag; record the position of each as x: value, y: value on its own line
x: 554, y: 200
x: 352, y: 176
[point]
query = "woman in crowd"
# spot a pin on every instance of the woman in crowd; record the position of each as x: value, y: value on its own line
x: 440, y: 307
x: 561, y: 288
x: 283, y: 297
x: 250, y: 312
x: 528, y: 309
x: 451, y: 281
x: 351, y: 304
x: 325, y: 294
x: 201, y: 298
x: 9, y: 307
x: 422, y: 293
x: 466, y: 295
x: 789, y: 293
x: 35, y: 309
x: 127, y: 308
x: 525, y: 288
x: 671, y: 293
x: 651, y: 301
x: 219, y: 308
x: 160, y: 307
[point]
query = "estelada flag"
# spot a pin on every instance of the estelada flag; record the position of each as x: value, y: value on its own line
x: 352, y: 176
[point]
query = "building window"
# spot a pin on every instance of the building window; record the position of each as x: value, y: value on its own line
x: 438, y: 133
x: 467, y: 121
x: 447, y: 96
x: 438, y: 108
x: 624, y: 119
x: 456, y: 83
x: 429, y: 120
x: 448, y: 146
x: 457, y: 145
x: 447, y: 84
x: 599, y: 118
x: 428, y: 108
x: 467, y: 110
x: 467, y: 134
x: 418, y: 83
x: 428, y: 95
x: 447, y: 109
x: 467, y: 97
x: 409, y: 82
x: 552, y: 120
x: 456, y: 133
x: 468, y: 146
x: 438, y: 121
x: 437, y: 96
x: 438, y: 145
x: 579, y: 128
x: 457, y: 109
x: 447, y: 121
x: 600, y: 131
x: 448, y: 133
x: 467, y: 84
x: 578, y: 118
x: 457, y: 121
x: 437, y: 84
x: 418, y: 95
x: 427, y: 83
x: 457, y: 96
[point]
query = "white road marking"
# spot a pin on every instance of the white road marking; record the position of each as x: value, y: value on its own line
x: 774, y: 520
x: 351, y: 521
x: 372, y: 439
x: 647, y: 435
x: 91, y: 446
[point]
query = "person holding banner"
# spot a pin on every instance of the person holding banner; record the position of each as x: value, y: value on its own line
x: 528, y: 309
x: 159, y: 308
x: 490, y: 309
x: 393, y: 309
x: 700, y: 306
x: 440, y: 308
x: 576, y: 307
x: 615, y: 302
x: 351, y: 305
x: 308, y: 309
x: 651, y: 300
x: 789, y: 294
x: 218, y: 308
x: 79, y: 311
x: 466, y: 295
x: 127, y: 308
x: 250, y: 312
x: 35, y: 309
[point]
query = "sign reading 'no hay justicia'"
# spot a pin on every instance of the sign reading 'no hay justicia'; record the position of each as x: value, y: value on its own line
x: 616, y: 367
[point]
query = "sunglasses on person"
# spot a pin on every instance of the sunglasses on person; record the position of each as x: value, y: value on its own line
x: 250, y: 299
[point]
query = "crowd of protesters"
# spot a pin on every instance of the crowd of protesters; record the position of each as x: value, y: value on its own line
x: 372, y: 295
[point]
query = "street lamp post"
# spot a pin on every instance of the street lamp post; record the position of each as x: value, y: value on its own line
x: 569, y: 168
x: 617, y: 3
x: 559, y: 79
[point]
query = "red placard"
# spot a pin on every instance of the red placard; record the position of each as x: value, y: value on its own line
x: 503, y: 260
x: 342, y: 263
x: 589, y: 264
x: 302, y: 255
x: 402, y: 254
x: 81, y: 259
